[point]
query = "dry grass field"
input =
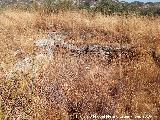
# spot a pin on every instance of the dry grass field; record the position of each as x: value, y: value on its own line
x: 68, y: 87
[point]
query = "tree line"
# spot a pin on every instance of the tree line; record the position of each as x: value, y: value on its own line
x: 106, y: 7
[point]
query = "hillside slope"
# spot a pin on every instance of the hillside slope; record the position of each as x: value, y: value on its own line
x: 72, y: 65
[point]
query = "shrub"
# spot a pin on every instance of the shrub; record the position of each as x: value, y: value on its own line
x: 55, y: 6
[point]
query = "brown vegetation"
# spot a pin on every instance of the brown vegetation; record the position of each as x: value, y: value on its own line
x: 79, y: 85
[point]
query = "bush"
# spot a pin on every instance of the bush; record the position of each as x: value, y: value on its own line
x: 55, y: 6
x: 150, y: 12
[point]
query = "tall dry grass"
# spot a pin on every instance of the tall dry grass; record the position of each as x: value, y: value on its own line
x: 19, y: 29
x: 131, y: 90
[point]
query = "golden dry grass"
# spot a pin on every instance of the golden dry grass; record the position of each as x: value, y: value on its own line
x: 21, y: 28
x: 136, y: 84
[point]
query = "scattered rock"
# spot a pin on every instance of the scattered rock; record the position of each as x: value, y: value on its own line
x: 46, y: 48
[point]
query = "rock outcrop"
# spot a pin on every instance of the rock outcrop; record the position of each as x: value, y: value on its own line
x: 79, y: 83
x: 45, y: 49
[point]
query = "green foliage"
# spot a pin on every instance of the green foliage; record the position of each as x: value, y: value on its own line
x: 57, y: 5
x: 106, y: 7
x: 150, y: 12
x: 110, y: 7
